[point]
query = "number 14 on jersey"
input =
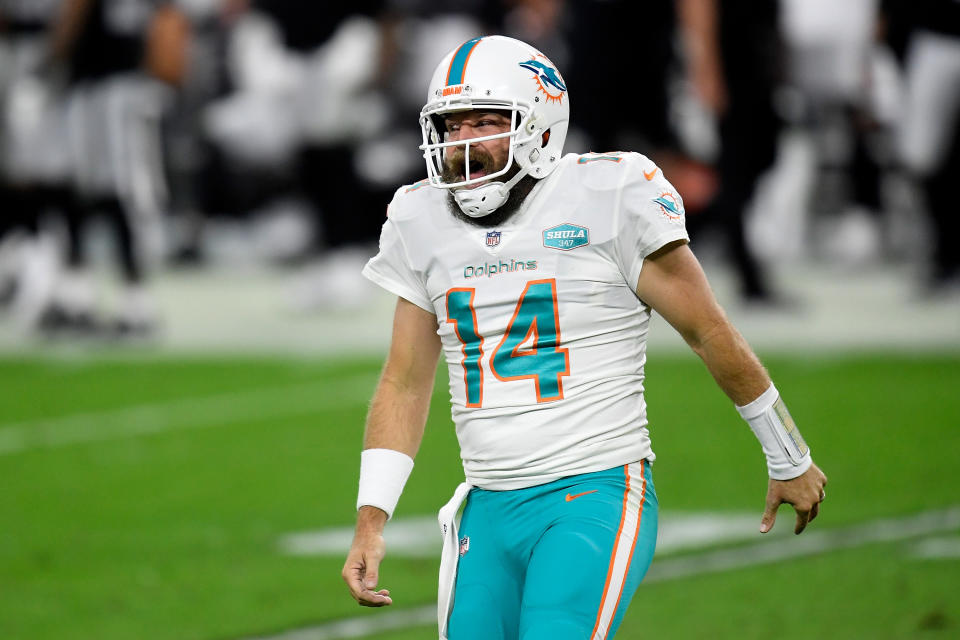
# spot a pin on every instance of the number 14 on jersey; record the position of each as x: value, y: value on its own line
x: 529, y: 350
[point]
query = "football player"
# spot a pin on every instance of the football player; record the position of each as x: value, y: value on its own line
x: 534, y: 274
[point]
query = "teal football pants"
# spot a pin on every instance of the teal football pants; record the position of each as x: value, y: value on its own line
x: 559, y: 561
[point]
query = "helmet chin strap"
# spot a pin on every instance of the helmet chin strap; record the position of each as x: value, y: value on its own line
x: 485, y: 199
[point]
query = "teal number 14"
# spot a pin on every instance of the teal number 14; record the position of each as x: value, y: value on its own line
x: 530, y: 348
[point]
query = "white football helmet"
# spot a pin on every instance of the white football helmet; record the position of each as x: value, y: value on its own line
x: 504, y: 74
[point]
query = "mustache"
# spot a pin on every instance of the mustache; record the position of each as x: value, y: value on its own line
x: 455, y: 163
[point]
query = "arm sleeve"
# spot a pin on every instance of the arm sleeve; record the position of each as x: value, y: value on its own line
x: 391, y: 269
x: 649, y: 215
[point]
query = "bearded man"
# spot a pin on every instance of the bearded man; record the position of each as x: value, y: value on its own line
x: 535, y: 275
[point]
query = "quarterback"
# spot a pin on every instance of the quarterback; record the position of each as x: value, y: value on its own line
x: 534, y: 274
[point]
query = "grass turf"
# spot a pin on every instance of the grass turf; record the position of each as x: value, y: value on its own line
x: 173, y: 534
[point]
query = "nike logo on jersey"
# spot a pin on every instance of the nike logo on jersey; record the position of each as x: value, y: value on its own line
x: 649, y: 174
x: 570, y: 498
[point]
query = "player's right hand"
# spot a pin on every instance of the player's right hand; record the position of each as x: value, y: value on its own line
x: 362, y: 568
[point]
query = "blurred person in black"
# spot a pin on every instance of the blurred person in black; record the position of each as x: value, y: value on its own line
x: 927, y: 32
x: 349, y: 212
x: 119, y: 56
x: 599, y: 34
x: 734, y: 52
x: 604, y: 33
x: 33, y: 160
x: 333, y: 136
x: 349, y: 209
x: 308, y: 88
x: 188, y: 153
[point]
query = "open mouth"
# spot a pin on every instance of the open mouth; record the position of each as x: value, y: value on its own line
x: 475, y: 174
x: 455, y: 170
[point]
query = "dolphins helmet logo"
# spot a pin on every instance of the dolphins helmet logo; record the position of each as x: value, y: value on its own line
x: 547, y: 78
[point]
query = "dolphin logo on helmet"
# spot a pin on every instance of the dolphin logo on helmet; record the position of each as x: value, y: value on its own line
x: 547, y: 75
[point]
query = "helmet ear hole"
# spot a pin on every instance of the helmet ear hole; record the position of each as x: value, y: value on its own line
x: 546, y: 138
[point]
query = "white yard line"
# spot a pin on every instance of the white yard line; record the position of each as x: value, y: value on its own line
x: 937, y: 548
x: 767, y: 551
x: 811, y: 542
x: 419, y: 537
x: 187, y: 413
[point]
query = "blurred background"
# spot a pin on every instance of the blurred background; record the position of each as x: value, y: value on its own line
x: 189, y: 189
x: 172, y: 170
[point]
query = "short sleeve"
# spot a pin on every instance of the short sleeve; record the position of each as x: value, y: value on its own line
x: 650, y: 215
x: 391, y: 269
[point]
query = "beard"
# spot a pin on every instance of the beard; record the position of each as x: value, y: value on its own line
x: 453, y: 171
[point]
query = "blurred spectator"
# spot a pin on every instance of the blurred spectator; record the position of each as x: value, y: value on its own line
x: 189, y: 155
x: 307, y: 94
x: 120, y: 57
x: 734, y: 56
x: 540, y: 23
x: 623, y: 78
x: 34, y: 167
x: 623, y: 109
x: 324, y: 117
x: 338, y: 107
x: 929, y: 137
x: 847, y: 85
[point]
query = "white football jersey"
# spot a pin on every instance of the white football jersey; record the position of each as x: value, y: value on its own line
x: 542, y: 331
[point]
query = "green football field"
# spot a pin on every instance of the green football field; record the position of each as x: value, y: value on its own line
x: 146, y: 498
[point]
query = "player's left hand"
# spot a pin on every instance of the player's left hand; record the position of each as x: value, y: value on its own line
x: 804, y: 492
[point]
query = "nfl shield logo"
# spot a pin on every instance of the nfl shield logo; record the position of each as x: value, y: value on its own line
x: 493, y: 238
x: 464, y: 545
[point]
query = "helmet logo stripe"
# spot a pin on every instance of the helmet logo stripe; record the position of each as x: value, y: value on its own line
x: 458, y: 65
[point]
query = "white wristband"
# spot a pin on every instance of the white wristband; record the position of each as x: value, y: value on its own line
x: 788, y: 455
x: 383, y: 473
